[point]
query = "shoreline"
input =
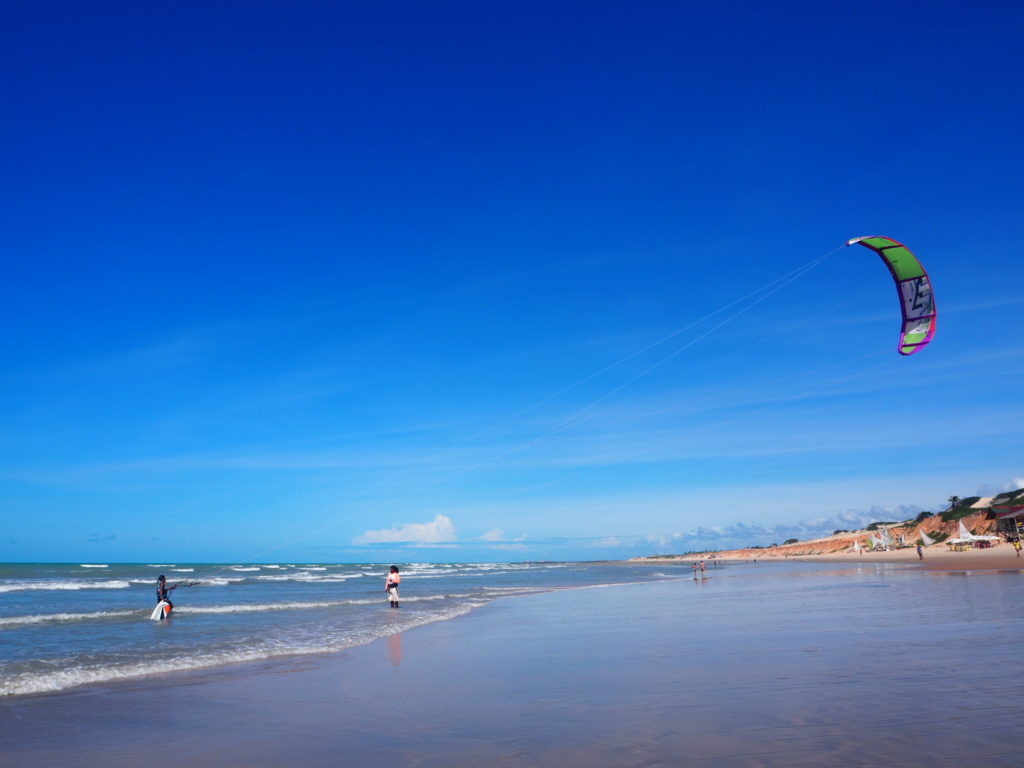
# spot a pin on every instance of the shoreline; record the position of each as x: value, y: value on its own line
x: 937, y: 557
x: 627, y: 675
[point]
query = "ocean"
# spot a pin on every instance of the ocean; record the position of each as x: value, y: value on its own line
x: 65, y: 625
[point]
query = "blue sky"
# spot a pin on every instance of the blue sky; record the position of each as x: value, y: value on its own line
x: 451, y: 281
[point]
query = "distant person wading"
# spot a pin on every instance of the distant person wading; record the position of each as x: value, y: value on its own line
x: 391, y: 585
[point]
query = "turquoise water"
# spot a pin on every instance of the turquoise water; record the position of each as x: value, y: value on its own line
x: 65, y: 625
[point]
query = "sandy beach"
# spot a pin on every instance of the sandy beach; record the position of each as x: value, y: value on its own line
x: 779, y: 664
x: 937, y: 557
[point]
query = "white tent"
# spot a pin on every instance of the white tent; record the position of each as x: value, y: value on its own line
x: 966, y: 537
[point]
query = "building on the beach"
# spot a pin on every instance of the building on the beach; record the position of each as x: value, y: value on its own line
x: 1008, y: 511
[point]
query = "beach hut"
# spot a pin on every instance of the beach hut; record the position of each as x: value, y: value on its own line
x: 1008, y: 509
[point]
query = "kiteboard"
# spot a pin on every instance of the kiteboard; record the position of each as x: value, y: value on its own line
x: 161, y: 612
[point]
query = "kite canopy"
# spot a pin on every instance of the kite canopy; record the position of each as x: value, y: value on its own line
x: 914, y: 288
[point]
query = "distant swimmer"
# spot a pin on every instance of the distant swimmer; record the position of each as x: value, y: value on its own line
x: 391, y: 585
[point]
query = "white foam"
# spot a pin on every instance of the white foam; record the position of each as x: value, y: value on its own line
x: 61, y: 586
x: 44, y: 618
x: 42, y: 682
x: 310, y: 577
x: 205, y: 581
x: 262, y: 607
x: 240, y: 568
x: 88, y: 565
x: 160, y: 565
x: 182, y: 570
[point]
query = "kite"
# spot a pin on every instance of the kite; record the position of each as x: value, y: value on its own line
x: 915, y: 290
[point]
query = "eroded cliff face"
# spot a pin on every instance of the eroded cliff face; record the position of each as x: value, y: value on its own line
x: 844, y: 541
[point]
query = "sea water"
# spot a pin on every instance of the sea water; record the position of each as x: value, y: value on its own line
x: 64, y: 625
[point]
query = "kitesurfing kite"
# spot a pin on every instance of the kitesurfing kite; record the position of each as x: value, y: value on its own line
x: 915, y: 290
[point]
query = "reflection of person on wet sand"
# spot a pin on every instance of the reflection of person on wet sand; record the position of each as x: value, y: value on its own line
x: 395, y: 648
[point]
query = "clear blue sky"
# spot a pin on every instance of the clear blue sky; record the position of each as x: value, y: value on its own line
x: 283, y: 281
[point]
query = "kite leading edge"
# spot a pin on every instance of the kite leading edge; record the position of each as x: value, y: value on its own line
x: 915, y: 290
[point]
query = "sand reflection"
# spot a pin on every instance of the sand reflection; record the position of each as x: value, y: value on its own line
x: 395, y: 649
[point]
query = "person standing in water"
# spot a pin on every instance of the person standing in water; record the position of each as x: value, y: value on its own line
x: 163, y: 595
x: 163, y: 592
x: 391, y: 585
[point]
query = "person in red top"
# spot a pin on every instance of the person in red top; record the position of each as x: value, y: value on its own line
x: 391, y: 585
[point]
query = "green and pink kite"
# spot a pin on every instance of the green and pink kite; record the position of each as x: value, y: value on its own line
x: 915, y: 290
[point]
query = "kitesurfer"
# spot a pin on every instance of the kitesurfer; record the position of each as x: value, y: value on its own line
x: 391, y: 585
x: 164, y: 606
x: 163, y: 592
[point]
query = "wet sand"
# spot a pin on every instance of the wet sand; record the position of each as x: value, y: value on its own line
x: 772, y: 665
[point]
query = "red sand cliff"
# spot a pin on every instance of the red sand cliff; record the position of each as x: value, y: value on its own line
x: 842, y: 542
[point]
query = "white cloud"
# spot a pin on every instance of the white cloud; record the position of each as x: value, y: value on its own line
x: 740, y: 534
x: 497, y: 534
x: 441, y: 529
x: 512, y: 547
x: 1013, y: 485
